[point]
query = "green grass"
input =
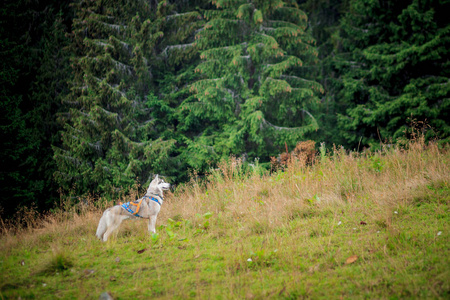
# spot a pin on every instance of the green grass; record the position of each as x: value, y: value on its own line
x: 286, y: 236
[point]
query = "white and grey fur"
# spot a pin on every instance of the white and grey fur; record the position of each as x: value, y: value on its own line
x: 113, y: 217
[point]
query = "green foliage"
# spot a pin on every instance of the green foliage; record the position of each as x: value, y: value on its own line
x: 33, y: 76
x: 324, y: 17
x: 97, y: 96
x: 109, y: 141
x: 248, y: 98
x: 393, y: 67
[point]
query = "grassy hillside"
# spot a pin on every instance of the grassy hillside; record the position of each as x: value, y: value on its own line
x: 372, y: 225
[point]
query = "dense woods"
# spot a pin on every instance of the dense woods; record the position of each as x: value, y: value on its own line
x: 97, y: 96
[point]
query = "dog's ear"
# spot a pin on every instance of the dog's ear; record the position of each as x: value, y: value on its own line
x: 156, y: 176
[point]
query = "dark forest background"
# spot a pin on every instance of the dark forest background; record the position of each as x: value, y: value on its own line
x: 97, y: 95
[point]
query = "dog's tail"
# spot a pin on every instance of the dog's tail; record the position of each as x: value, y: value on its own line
x: 102, y: 226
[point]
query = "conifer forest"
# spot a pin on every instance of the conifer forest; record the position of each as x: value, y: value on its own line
x: 97, y: 96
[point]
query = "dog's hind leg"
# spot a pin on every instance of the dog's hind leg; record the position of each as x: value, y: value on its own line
x: 111, y: 227
x: 101, y: 229
x: 151, y: 224
x: 102, y: 226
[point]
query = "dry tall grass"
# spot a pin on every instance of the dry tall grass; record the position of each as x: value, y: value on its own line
x: 388, y: 178
x: 371, y: 182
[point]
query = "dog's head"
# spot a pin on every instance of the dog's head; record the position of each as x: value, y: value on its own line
x: 157, y: 186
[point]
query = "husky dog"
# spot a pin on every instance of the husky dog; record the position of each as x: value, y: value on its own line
x: 147, y: 207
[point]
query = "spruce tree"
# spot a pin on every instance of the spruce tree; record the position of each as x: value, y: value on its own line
x: 324, y: 23
x: 109, y: 142
x: 393, y: 67
x: 176, y: 56
x: 47, y: 92
x: 249, y: 96
x: 32, y: 81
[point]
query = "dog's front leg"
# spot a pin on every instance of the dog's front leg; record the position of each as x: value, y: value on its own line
x: 151, y: 224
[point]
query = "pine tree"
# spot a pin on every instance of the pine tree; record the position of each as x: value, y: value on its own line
x: 393, y: 67
x: 109, y: 142
x: 31, y: 74
x: 47, y: 92
x: 249, y: 96
x: 16, y: 143
x: 176, y: 55
x: 324, y: 23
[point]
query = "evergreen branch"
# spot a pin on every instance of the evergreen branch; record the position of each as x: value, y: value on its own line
x: 241, y: 44
x: 97, y: 146
x: 209, y: 79
x: 228, y: 20
x: 311, y: 83
x: 221, y: 52
x: 103, y: 44
x: 267, y: 28
x: 144, y: 124
x: 267, y: 39
x: 129, y: 141
x: 442, y: 84
x: 287, y: 31
x: 89, y: 118
x: 122, y: 67
x: 201, y: 83
x: 309, y: 114
x: 103, y: 81
x: 298, y: 78
x: 233, y: 94
x: 197, y: 31
x: 268, y: 36
x: 83, y: 88
x: 73, y: 160
x: 99, y: 16
x: 360, y: 29
x: 71, y: 103
x: 304, y: 91
x: 67, y: 115
x: 282, y: 22
x: 181, y: 46
x: 127, y: 47
x: 113, y: 26
x: 128, y: 168
x: 211, y: 148
x: 267, y: 123
x: 228, y: 47
x: 107, y: 112
x: 296, y: 13
x: 176, y: 15
x: 65, y: 175
x: 74, y: 129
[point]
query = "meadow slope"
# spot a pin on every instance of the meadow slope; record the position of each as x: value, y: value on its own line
x: 373, y: 225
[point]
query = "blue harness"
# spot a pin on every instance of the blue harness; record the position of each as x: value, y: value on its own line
x: 153, y: 199
x: 127, y: 207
